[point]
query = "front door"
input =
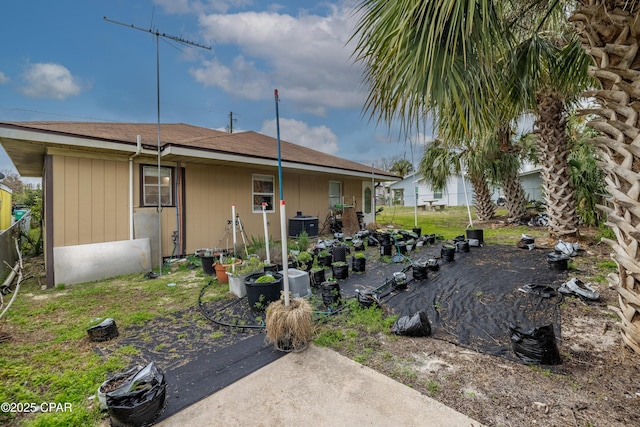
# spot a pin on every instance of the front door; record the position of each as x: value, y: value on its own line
x: 368, y: 200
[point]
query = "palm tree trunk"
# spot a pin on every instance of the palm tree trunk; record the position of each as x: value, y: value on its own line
x: 485, y: 208
x: 553, y: 145
x: 608, y: 31
x: 515, y: 200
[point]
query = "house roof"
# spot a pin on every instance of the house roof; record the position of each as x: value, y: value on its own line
x: 27, y: 142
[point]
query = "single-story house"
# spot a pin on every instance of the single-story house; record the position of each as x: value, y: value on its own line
x: 403, y: 192
x: 413, y: 187
x: 101, y: 183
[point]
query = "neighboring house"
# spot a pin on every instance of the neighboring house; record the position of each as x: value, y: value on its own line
x: 531, y: 179
x: 101, y: 184
x: 404, y: 192
x: 5, y: 207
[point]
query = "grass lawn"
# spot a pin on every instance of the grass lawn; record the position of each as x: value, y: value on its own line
x: 45, y: 355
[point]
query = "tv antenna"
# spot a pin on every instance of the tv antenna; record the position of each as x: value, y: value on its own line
x: 159, y: 35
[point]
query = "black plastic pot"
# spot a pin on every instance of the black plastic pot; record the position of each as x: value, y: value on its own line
x: 384, y: 239
x: 207, y: 265
x: 557, y: 261
x: 339, y: 253
x: 430, y: 238
x: 372, y: 241
x: 330, y: 293
x: 340, y: 271
x: 325, y: 261
x: 272, y: 268
x: 420, y: 272
x: 386, y: 250
x: 317, y: 277
x: 259, y: 295
x: 417, y: 230
x: 402, y: 248
x: 358, y: 264
x: 476, y: 234
x: 462, y: 246
x: 448, y: 253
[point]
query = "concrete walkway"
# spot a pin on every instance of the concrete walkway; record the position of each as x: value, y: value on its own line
x: 317, y: 387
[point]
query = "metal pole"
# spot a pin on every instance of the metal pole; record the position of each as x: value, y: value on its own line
x: 157, y: 34
x: 159, y: 174
x: 233, y: 216
x: 466, y: 197
x: 266, y: 232
x: 283, y: 222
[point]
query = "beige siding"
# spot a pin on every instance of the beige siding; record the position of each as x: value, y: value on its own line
x: 210, y: 191
x: 90, y: 200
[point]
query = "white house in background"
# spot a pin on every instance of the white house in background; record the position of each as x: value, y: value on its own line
x: 453, y: 194
x: 531, y: 177
x: 403, y: 192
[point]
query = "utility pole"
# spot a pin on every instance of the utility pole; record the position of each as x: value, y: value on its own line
x: 158, y: 34
x: 231, y: 122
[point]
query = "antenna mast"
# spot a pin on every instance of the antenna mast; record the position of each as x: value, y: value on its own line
x: 158, y: 34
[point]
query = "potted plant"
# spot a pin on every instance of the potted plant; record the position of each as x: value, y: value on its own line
x: 358, y: 262
x: 330, y: 292
x: 222, y: 264
x: 316, y: 274
x: 410, y: 244
x: 262, y: 289
x: 304, y: 260
x: 237, y: 274
x: 324, y: 258
x: 206, y: 258
x: 340, y: 270
x: 289, y: 328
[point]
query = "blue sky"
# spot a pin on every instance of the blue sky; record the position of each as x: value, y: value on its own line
x: 63, y: 61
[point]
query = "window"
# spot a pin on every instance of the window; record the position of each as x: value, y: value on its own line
x: 437, y: 194
x: 263, y: 192
x: 335, y: 194
x: 367, y: 200
x: 149, y: 184
x: 398, y: 196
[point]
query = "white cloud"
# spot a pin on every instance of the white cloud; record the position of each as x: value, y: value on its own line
x: 3, y: 78
x: 319, y: 138
x: 214, y: 73
x: 49, y: 80
x: 305, y: 57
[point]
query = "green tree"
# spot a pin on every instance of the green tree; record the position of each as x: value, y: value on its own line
x: 401, y: 167
x: 423, y: 54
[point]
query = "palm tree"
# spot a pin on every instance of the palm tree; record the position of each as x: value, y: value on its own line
x: 465, y: 47
x: 441, y: 161
x: 608, y: 32
x: 401, y: 167
x: 422, y: 54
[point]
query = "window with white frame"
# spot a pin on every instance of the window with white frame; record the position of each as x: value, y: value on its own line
x: 150, y: 187
x: 437, y: 194
x: 263, y: 192
x: 335, y: 194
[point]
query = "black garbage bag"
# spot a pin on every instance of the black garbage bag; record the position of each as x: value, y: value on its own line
x: 536, y: 346
x: 416, y: 325
x: 139, y: 400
